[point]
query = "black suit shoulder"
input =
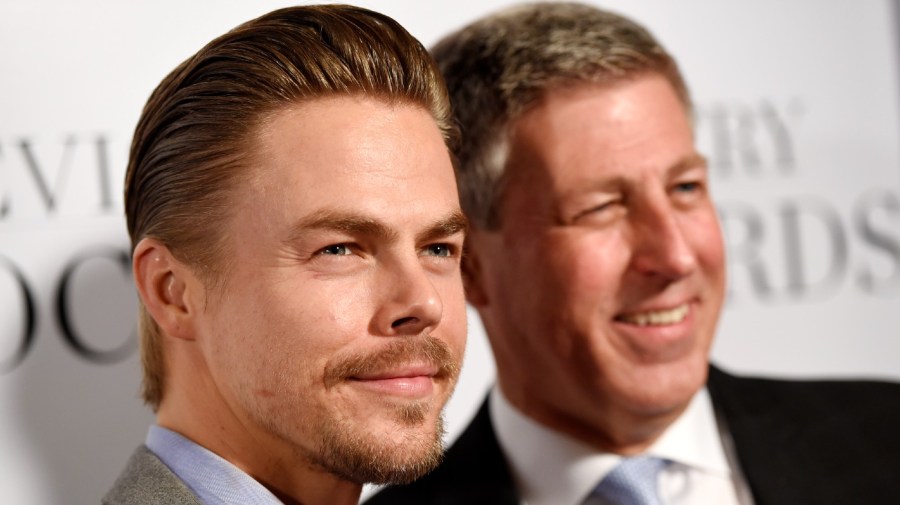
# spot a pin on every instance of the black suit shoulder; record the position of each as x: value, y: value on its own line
x: 474, y: 472
x: 762, y: 395
x: 813, y: 441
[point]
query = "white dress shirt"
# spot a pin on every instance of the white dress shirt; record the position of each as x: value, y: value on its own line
x: 551, y: 468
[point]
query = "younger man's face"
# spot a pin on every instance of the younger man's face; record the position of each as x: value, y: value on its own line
x: 339, y: 329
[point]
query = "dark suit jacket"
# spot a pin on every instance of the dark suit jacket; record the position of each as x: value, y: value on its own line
x: 797, y: 442
x: 148, y: 481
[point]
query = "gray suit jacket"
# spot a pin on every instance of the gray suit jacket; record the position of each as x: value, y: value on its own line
x: 147, y: 481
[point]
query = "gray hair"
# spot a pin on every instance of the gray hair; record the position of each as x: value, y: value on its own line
x: 499, y: 66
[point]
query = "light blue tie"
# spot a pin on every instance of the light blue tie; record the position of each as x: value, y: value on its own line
x: 631, y: 482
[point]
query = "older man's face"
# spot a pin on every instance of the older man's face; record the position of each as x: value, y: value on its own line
x: 602, y: 287
x: 340, y: 326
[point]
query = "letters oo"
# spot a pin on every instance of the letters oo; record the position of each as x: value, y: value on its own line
x: 62, y: 313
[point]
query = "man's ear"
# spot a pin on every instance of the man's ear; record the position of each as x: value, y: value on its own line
x: 472, y: 276
x: 166, y: 287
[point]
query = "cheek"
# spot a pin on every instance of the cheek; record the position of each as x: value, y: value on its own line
x: 301, y: 326
x: 313, y: 324
x: 340, y: 308
x: 584, y: 269
x: 577, y: 291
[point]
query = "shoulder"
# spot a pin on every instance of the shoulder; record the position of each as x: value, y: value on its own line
x: 474, y: 471
x: 820, y: 420
x: 813, y: 441
x: 858, y: 398
x: 147, y: 481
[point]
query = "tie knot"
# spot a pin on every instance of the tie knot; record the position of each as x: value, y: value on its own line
x: 631, y: 482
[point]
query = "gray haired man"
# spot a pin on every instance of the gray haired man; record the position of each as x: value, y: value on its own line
x: 596, y: 263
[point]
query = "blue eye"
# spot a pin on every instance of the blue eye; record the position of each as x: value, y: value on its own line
x: 443, y: 250
x: 336, y: 250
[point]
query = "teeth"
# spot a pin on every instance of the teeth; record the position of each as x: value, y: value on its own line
x: 657, y: 318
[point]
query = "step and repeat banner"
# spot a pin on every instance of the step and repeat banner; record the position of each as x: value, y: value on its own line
x: 798, y: 111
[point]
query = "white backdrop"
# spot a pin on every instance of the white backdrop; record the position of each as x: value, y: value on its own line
x: 798, y: 110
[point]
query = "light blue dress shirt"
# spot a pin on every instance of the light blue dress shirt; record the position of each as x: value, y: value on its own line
x: 214, y: 480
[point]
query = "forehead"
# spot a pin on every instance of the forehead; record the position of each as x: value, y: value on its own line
x: 587, y: 129
x: 610, y: 106
x: 349, y: 153
x: 587, y: 137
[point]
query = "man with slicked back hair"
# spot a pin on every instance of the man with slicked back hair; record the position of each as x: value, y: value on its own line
x: 297, y: 239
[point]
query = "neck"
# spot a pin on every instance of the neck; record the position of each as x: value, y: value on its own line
x: 194, y: 407
x: 605, y: 427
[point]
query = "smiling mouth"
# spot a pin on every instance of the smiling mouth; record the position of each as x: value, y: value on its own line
x: 418, y: 359
x: 412, y: 381
x: 656, y: 317
x: 400, y: 373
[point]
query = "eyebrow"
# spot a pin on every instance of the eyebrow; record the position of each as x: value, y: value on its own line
x: 454, y: 223
x: 695, y: 160
x: 356, y: 224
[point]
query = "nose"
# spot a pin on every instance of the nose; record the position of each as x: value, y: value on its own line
x: 410, y: 304
x: 661, y: 247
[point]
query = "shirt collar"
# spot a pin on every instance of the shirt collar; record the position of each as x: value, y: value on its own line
x: 213, y: 479
x: 694, y: 439
x: 551, y: 468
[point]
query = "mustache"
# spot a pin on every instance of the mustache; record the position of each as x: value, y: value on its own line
x: 419, y: 349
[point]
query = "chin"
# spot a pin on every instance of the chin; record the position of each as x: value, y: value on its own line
x: 386, y: 451
x: 667, y: 388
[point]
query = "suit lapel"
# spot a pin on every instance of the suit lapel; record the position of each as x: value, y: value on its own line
x: 762, y: 439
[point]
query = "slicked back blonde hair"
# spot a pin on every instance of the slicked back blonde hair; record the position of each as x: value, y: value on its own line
x: 499, y: 66
x: 195, y: 139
